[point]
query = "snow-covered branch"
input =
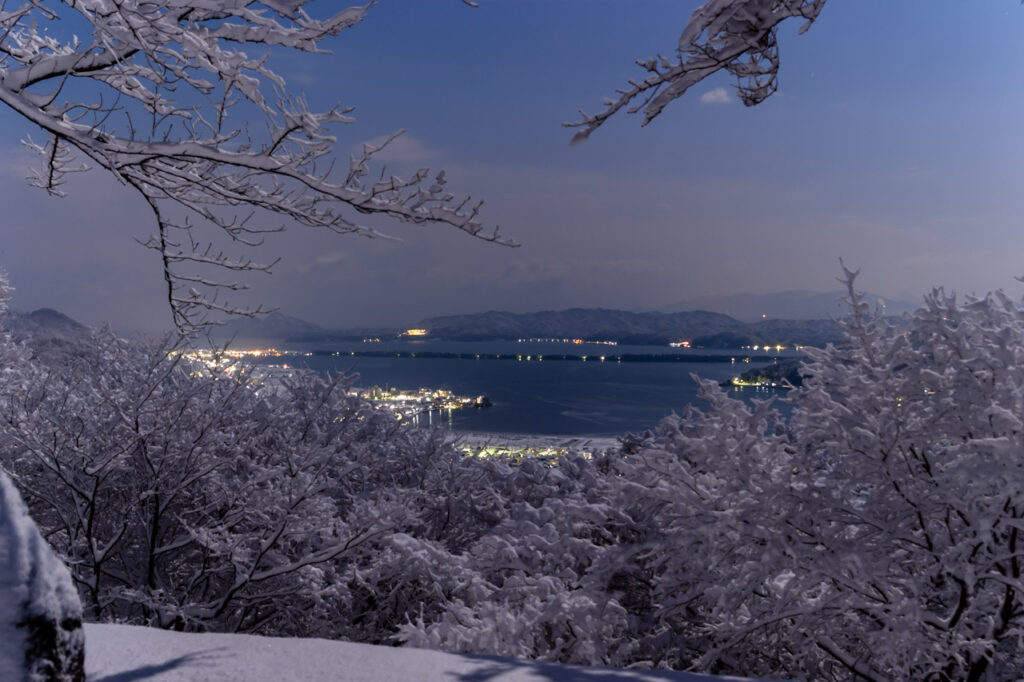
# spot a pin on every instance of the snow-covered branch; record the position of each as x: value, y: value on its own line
x: 735, y: 36
x: 158, y: 94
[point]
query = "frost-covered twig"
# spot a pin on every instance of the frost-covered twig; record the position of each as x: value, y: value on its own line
x: 737, y: 36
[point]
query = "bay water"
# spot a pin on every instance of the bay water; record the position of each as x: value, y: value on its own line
x: 541, y: 388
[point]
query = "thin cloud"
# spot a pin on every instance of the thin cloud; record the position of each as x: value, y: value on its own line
x: 330, y: 258
x: 716, y: 96
x: 327, y: 259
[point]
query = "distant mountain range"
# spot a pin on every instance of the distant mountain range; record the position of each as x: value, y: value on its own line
x: 788, y: 321
x: 790, y: 305
x: 271, y: 326
x: 701, y: 328
x: 581, y: 323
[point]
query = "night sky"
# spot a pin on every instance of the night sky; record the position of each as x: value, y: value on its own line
x: 894, y: 142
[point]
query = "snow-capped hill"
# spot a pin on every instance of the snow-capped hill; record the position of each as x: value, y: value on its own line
x: 43, y: 324
x: 271, y: 326
x: 124, y: 652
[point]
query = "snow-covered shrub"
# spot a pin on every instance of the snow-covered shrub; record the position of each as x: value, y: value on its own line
x: 191, y: 500
x: 908, y: 493
x: 535, y: 585
x: 696, y: 492
x: 874, y: 536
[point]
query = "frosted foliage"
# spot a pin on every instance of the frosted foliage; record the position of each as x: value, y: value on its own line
x: 41, y: 636
x: 735, y: 36
x: 196, y: 500
x: 178, y: 101
x: 910, y: 490
x: 525, y: 590
x: 872, y: 535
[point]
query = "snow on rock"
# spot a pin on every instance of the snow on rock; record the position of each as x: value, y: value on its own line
x: 125, y: 652
x: 41, y: 637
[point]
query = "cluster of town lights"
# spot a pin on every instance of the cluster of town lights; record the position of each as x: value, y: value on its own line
x: 405, y: 404
x: 226, y: 359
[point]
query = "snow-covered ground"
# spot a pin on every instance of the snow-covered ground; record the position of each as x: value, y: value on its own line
x: 124, y: 653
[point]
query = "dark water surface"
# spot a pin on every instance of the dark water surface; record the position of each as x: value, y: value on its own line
x: 558, y: 395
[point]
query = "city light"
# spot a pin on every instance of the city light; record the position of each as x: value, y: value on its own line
x: 408, y: 404
x: 575, y: 342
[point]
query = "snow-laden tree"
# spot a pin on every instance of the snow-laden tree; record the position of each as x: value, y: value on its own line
x: 186, y: 498
x: 702, y: 490
x: 542, y: 582
x: 621, y: 559
x: 876, y: 535
x: 178, y: 100
x: 735, y: 36
x: 908, y: 499
x: 873, y: 535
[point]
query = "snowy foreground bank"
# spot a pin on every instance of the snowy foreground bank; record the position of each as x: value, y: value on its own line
x: 125, y: 653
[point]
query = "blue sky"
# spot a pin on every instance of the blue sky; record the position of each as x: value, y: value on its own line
x: 894, y: 142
